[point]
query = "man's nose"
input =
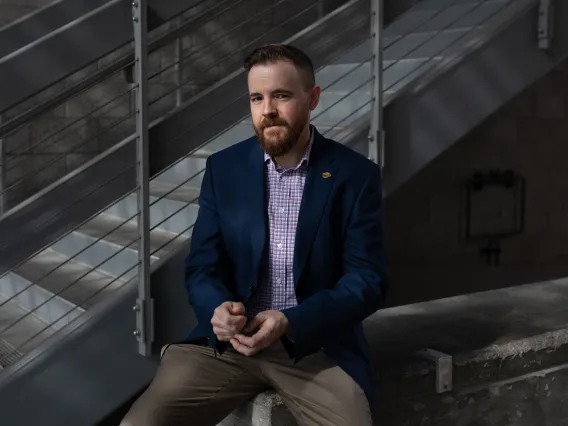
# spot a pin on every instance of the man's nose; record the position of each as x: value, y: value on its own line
x: 269, y: 109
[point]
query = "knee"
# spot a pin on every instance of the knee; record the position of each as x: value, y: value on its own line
x: 138, y: 418
x: 143, y: 412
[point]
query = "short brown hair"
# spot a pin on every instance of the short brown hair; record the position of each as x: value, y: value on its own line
x: 281, y: 52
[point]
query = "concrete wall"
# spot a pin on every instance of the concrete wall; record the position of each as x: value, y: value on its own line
x: 427, y: 255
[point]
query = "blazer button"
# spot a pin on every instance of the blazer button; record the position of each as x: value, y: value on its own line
x: 251, y: 287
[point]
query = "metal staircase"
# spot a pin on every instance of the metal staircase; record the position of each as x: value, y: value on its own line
x: 69, y: 253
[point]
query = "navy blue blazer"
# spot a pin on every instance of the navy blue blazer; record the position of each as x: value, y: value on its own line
x: 339, y: 265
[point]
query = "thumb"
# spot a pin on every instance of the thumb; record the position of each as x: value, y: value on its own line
x: 237, y: 308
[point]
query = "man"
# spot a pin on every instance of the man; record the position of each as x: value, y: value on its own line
x: 286, y: 261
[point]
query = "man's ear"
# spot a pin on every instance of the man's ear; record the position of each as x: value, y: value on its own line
x: 315, y: 97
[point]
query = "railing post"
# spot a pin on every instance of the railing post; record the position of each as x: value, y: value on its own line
x: 144, y: 308
x: 2, y: 174
x: 179, y: 67
x: 376, y: 135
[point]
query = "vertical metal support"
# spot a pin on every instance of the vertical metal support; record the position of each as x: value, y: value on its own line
x: 179, y: 67
x: 3, y: 183
x: 144, y: 308
x: 545, y: 24
x: 376, y: 136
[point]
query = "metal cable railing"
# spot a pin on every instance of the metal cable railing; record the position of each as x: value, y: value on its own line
x: 18, y: 159
x: 85, y: 274
x: 158, y: 38
x: 248, y: 45
x: 115, y: 228
x: 354, y: 91
x: 333, y: 37
x: 175, y: 188
x: 119, y: 277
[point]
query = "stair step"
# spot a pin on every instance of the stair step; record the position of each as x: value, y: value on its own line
x: 239, y: 132
x: 101, y: 243
x: 184, y: 193
x: 176, y: 214
x: 51, y: 309
x: 27, y: 332
x: 183, y: 172
x: 72, y: 281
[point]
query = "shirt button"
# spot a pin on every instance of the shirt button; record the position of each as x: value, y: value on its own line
x: 278, y: 280
x: 280, y: 245
x: 282, y: 210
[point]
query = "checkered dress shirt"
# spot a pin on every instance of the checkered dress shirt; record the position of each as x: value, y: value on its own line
x: 284, y: 190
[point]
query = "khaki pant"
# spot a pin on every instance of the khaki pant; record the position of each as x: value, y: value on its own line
x: 193, y: 388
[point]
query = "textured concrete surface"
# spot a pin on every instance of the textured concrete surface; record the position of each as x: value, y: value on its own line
x: 510, y: 353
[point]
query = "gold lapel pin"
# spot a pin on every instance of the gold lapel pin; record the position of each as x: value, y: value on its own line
x: 326, y: 175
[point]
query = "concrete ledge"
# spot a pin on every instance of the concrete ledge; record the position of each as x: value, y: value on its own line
x: 266, y: 409
x: 508, y: 347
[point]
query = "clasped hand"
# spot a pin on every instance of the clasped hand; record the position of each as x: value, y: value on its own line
x: 230, y: 325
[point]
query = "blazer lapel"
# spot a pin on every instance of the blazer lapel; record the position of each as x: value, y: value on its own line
x: 254, y: 187
x: 322, y: 172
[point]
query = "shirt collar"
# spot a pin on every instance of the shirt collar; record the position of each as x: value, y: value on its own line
x: 305, y: 158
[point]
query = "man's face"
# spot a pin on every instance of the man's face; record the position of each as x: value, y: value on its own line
x: 280, y: 105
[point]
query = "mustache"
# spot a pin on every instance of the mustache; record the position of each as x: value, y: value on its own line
x: 269, y: 122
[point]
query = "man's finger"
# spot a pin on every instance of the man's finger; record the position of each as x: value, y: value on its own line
x: 243, y: 349
x: 217, y: 323
x: 236, y: 319
x: 256, y: 340
x: 223, y: 335
x: 237, y: 308
x: 252, y: 325
x: 233, y: 323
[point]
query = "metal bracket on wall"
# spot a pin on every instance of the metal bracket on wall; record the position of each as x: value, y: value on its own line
x: 545, y: 24
x: 444, y: 365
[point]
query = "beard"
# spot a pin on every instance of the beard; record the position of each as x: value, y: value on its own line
x: 284, y: 138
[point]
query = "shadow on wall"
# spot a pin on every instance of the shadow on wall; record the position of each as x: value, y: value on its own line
x: 428, y: 258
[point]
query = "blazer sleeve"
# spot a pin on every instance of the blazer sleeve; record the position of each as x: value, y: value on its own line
x: 361, y: 289
x: 207, y: 267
